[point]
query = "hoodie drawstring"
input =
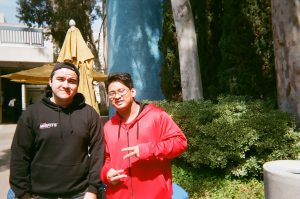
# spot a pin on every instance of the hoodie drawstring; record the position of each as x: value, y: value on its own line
x: 61, y: 123
x: 137, y: 130
x: 70, y: 122
x: 60, y: 127
x: 119, y: 129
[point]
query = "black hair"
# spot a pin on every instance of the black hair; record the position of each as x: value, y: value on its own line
x: 124, y: 78
x: 67, y: 65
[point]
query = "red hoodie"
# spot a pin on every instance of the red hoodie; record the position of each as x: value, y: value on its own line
x: 159, y: 140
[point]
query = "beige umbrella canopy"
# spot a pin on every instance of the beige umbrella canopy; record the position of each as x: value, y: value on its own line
x: 75, y: 50
x: 40, y: 75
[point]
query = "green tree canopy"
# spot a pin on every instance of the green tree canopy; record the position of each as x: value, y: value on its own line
x: 55, y: 15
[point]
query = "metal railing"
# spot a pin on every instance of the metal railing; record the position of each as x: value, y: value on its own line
x: 21, y: 35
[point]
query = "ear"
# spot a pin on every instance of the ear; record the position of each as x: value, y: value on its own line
x: 133, y: 92
x: 50, y: 81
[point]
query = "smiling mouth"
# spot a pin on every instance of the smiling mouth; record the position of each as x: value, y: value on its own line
x: 65, y: 90
x: 119, y: 102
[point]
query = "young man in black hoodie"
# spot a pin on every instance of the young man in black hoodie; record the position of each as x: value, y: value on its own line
x: 57, y: 150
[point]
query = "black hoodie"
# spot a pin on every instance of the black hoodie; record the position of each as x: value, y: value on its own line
x: 56, y: 151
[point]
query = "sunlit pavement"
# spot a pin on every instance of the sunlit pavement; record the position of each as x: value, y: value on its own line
x: 6, y: 135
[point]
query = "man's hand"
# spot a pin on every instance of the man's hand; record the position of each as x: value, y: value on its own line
x: 89, y: 195
x: 114, y: 176
x: 133, y: 151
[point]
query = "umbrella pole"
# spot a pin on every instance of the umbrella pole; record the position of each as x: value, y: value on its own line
x: 23, y: 94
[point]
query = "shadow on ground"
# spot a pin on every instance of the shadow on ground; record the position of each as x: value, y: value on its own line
x: 4, y: 160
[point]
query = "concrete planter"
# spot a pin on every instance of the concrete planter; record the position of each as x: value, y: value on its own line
x: 282, y: 179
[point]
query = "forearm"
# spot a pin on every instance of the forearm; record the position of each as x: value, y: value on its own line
x: 21, y: 156
x: 103, y: 174
x: 169, y: 148
x: 94, y: 179
x: 96, y: 157
x: 19, y: 177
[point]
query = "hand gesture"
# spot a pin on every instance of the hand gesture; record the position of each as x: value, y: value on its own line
x: 114, y: 176
x: 133, y: 151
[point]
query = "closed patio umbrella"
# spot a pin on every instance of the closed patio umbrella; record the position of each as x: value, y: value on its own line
x: 76, y: 51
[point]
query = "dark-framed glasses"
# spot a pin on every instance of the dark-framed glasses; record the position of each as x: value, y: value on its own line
x: 121, y: 92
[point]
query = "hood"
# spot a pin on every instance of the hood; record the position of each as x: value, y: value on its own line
x: 144, y: 109
x: 78, y: 101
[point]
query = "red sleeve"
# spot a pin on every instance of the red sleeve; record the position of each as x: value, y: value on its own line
x: 172, y: 143
x: 106, y: 166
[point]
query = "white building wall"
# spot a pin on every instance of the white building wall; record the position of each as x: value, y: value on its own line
x: 19, y: 43
x: 14, y: 53
x: 22, y: 48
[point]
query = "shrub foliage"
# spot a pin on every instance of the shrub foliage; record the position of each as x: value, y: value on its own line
x: 235, y: 135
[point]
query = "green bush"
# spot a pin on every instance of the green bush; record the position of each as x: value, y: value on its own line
x: 202, y: 183
x: 235, y: 135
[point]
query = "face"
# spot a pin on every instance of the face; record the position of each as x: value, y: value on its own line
x: 64, y: 86
x: 120, y: 96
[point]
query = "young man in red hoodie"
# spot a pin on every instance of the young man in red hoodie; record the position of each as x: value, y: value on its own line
x: 141, y: 140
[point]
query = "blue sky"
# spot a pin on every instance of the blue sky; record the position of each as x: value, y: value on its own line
x: 8, y: 8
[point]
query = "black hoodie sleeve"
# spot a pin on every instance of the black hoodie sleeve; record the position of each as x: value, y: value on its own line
x: 96, y: 153
x: 21, y: 156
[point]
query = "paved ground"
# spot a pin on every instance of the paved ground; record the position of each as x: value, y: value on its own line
x: 6, y: 134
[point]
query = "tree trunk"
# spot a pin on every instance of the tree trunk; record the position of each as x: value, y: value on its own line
x: 92, y: 46
x: 102, y: 49
x: 286, y: 34
x: 104, y: 35
x: 96, y: 55
x: 188, y: 53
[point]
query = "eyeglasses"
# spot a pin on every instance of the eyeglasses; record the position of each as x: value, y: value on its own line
x: 121, y: 92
